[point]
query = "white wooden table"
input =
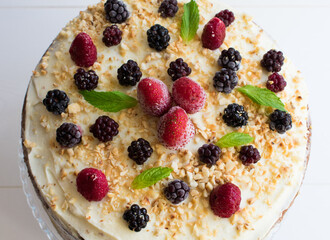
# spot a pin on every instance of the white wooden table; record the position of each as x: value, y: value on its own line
x: 301, y: 28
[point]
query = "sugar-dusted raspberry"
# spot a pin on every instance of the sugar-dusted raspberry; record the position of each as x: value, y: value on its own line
x: 226, y: 16
x: 83, y: 51
x: 214, y: 34
x: 276, y: 83
x: 249, y: 155
x: 112, y: 36
x: 104, y: 129
x: 68, y: 135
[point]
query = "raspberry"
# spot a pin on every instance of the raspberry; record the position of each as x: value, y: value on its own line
x: 273, y: 61
x: 68, y: 135
x: 225, y: 80
x: 209, y: 154
x: 92, y: 184
x: 104, y: 129
x: 136, y: 217
x: 230, y: 59
x: 154, y: 97
x: 140, y: 151
x: 175, y: 129
x: 225, y: 200
x: 178, y: 69
x: 158, y: 37
x: 168, y: 8
x: 112, y: 36
x: 226, y: 16
x: 189, y: 95
x: 129, y: 74
x: 56, y: 101
x: 177, y: 191
x: 116, y: 11
x: 276, y: 83
x: 235, y: 115
x: 86, y: 80
x: 280, y: 121
x: 249, y: 155
x: 83, y: 51
x: 214, y: 34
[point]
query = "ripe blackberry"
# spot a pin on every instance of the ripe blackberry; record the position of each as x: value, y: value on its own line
x: 68, y: 135
x: 176, y: 191
x: 273, y: 61
x: 249, y: 155
x: 168, y: 8
x: 136, y: 217
x: 235, y: 115
x: 178, y: 69
x: 158, y: 37
x: 86, y: 80
x: 140, y: 151
x: 209, y: 154
x: 104, y: 129
x: 280, y: 121
x: 116, y: 11
x: 276, y: 83
x: 225, y: 80
x: 226, y: 16
x: 56, y: 101
x: 230, y: 59
x: 129, y: 74
x: 112, y: 36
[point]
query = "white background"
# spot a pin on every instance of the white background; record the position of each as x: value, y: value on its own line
x: 301, y: 28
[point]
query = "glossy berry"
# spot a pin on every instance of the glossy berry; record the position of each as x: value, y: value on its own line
x: 136, y: 217
x: 158, y: 37
x: 178, y: 69
x: 225, y: 80
x: 276, y: 83
x: 249, y: 155
x: 280, y: 121
x: 86, y: 80
x: 140, y: 151
x: 129, y: 74
x: 92, y: 184
x: 104, y: 129
x: 226, y: 16
x: 176, y: 191
x: 209, y: 154
x: 230, y: 59
x: 214, y: 34
x: 168, y: 8
x: 273, y: 61
x: 112, y: 36
x: 235, y: 115
x: 68, y: 135
x: 116, y: 11
x: 56, y: 101
x: 225, y: 200
x: 83, y: 51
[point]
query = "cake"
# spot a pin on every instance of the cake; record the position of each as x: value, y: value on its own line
x: 165, y: 120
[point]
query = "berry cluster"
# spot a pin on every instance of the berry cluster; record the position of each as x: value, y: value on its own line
x: 129, y: 74
x: 104, y: 129
x: 249, y: 155
x: 112, y: 36
x: 178, y: 69
x: 235, y: 115
x: 86, y: 80
x: 209, y: 154
x: 116, y: 11
x: 225, y: 80
x: 176, y: 191
x: 56, y: 101
x: 140, y: 151
x: 136, y: 217
x: 168, y: 8
x: 158, y: 37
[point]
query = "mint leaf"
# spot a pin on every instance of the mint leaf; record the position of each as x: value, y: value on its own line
x: 190, y: 21
x: 262, y: 96
x: 150, y: 177
x: 234, y: 139
x: 109, y: 101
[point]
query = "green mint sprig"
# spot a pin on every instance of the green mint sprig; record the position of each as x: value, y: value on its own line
x: 234, y: 139
x: 150, y: 177
x: 190, y: 21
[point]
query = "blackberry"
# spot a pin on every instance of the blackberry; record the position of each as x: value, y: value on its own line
x: 56, y: 101
x: 280, y: 121
x: 129, y: 74
x: 112, y: 36
x: 235, y: 115
x: 176, y: 191
x: 140, y: 151
x: 230, y: 59
x: 273, y: 61
x: 249, y: 155
x: 178, y: 69
x: 225, y: 80
x: 158, y: 37
x: 136, y: 217
x: 68, y: 135
x: 168, y: 8
x: 104, y: 128
x: 276, y: 83
x: 86, y: 80
x: 116, y: 11
x: 226, y: 16
x: 209, y: 154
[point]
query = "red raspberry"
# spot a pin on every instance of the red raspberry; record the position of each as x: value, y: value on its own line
x: 276, y: 83
x: 225, y: 200
x: 153, y: 96
x: 189, y: 95
x: 175, y: 129
x: 83, y: 51
x: 92, y: 184
x: 214, y: 34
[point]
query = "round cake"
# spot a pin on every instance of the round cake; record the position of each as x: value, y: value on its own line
x: 165, y: 120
